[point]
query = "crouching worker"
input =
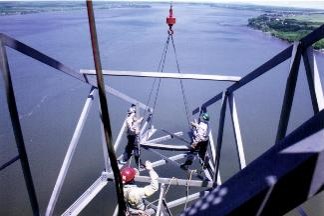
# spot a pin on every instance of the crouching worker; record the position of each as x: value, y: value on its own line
x: 133, y: 124
x: 134, y: 195
x: 200, y: 140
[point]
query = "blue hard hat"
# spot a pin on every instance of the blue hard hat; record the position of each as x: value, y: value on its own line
x: 205, y: 116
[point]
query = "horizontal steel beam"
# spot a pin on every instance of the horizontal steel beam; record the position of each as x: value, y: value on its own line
x: 187, y: 199
x: 176, y: 164
x: 164, y: 138
x: 87, y: 196
x: 148, y: 134
x: 171, y: 181
x: 163, y: 161
x: 292, y: 170
x: 166, y: 147
x: 165, y: 75
x: 176, y: 136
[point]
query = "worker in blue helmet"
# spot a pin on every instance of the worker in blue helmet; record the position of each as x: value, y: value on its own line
x: 200, y: 140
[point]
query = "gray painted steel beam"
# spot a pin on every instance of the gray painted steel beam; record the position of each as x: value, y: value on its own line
x: 19, y: 138
x: 313, y: 37
x: 163, y: 161
x: 35, y: 54
x: 220, y: 135
x: 159, y: 207
x: 276, y: 60
x: 119, y: 137
x: 166, y: 147
x: 213, y: 153
x: 176, y: 136
x: 164, y: 138
x: 147, y: 134
x: 237, y: 131
x: 189, y: 198
x: 69, y: 154
x: 171, y: 181
x: 104, y: 148
x: 87, y: 196
x: 297, y: 163
x: 5, y: 165
x: 212, y: 147
x: 314, y: 80
x: 289, y: 92
x: 173, y: 162
x: 165, y: 75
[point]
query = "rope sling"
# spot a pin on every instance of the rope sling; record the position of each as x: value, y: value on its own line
x: 161, y: 67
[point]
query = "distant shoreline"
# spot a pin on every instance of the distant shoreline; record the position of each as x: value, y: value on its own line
x: 23, y: 8
x: 289, y: 26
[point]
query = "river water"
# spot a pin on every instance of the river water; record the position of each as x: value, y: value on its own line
x: 210, y: 40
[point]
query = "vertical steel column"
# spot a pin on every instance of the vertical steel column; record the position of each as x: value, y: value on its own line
x: 289, y: 92
x: 159, y: 207
x: 213, y: 153
x: 220, y: 134
x: 237, y: 131
x: 104, y: 147
x: 69, y: 153
x: 314, y: 80
x: 104, y: 109
x: 120, y: 134
x: 212, y: 147
x: 11, y: 101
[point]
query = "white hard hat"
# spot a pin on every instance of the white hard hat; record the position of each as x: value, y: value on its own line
x: 132, y: 109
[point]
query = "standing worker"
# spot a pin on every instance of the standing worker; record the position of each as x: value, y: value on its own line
x: 133, y: 124
x: 200, y: 140
x: 134, y: 195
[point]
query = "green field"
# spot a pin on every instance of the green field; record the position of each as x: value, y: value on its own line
x: 290, y: 27
x: 311, y: 18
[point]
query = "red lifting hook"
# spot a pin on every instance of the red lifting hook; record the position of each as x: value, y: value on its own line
x: 170, y: 20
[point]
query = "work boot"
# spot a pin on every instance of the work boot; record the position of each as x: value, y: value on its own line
x: 186, y: 165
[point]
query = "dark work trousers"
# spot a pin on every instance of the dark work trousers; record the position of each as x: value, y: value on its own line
x: 131, y: 146
x: 201, y: 149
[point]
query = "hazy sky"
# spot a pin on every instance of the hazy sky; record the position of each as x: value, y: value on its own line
x: 318, y: 4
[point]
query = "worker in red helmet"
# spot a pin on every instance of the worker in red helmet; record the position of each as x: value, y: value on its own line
x: 133, y: 123
x: 134, y: 195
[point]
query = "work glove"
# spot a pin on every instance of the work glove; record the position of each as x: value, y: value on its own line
x: 148, y: 165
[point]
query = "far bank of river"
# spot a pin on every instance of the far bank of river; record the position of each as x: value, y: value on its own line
x: 289, y: 26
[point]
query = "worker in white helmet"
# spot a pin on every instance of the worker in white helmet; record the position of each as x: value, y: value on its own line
x: 133, y: 124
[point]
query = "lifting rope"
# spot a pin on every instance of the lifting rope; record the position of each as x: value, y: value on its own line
x: 170, y: 21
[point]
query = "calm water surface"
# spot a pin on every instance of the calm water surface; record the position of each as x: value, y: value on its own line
x: 209, y: 40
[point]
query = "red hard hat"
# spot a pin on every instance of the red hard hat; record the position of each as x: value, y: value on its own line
x: 127, y: 174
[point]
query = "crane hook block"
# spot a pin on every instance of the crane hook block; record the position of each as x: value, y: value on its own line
x: 170, y: 20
